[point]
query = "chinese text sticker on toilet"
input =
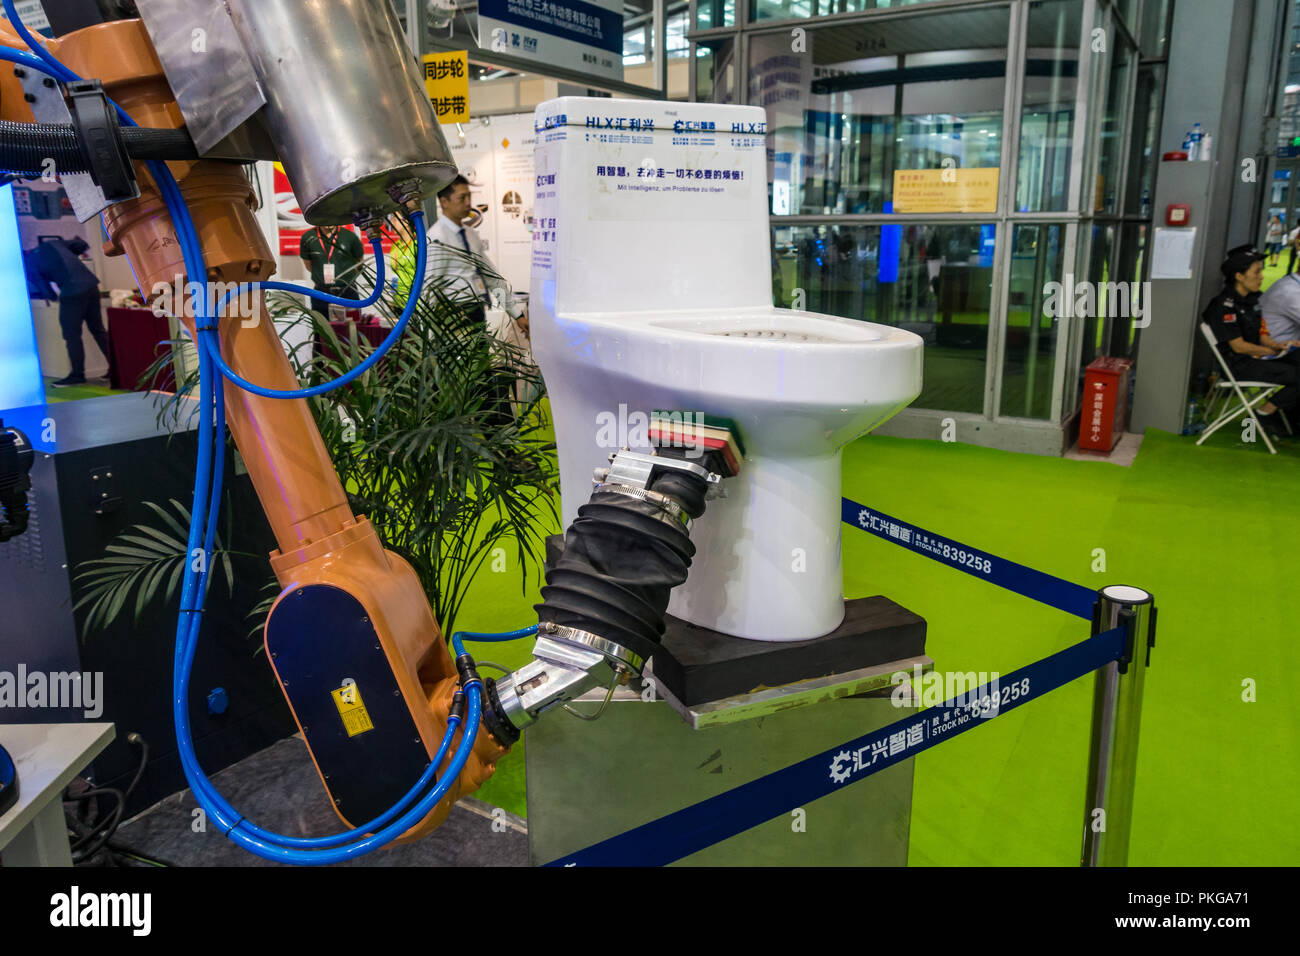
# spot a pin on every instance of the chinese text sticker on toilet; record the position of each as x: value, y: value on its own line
x: 544, y: 214
x: 641, y: 168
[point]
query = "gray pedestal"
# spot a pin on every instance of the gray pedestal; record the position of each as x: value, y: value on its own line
x: 588, y: 781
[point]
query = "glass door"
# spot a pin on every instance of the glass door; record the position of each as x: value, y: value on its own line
x: 1282, y: 205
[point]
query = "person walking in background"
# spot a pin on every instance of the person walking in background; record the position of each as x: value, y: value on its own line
x: 1292, y: 239
x: 333, y: 256
x: 58, y: 261
x: 1273, y: 239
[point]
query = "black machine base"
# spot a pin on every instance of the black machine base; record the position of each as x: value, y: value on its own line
x: 697, y: 665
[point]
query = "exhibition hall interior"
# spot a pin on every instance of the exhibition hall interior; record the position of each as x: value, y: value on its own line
x: 745, y: 433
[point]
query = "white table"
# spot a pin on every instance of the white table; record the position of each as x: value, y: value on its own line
x: 46, y: 757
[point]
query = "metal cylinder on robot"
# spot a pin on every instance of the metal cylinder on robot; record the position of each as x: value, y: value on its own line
x: 346, y: 104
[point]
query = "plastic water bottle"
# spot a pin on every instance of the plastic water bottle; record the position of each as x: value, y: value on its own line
x: 1195, y: 152
x: 1204, y: 151
x: 1146, y: 202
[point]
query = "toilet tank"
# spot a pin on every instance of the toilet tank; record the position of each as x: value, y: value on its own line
x: 649, y: 205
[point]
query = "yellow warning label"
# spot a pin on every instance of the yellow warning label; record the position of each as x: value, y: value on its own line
x: 356, y: 719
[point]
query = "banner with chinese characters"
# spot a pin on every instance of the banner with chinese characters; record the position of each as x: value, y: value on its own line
x: 446, y: 80
x: 497, y: 159
x: 585, y: 35
x: 946, y: 190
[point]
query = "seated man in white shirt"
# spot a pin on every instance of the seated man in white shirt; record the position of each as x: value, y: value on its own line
x: 447, y: 265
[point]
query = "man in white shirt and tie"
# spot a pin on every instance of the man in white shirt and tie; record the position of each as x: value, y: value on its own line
x: 448, y: 240
x: 460, y: 273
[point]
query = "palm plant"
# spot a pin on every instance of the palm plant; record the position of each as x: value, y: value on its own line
x: 145, y: 559
x: 424, y: 444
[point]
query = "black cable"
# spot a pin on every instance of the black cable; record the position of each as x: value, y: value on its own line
x: 101, y: 822
x: 135, y: 738
x: 103, y: 838
x: 134, y: 854
x: 104, y: 827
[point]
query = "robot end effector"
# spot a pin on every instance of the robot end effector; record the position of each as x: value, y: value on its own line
x: 603, y: 606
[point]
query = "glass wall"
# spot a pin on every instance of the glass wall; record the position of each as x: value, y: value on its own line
x: 1034, y: 311
x: 1115, y: 126
x: 932, y: 279
x: 795, y: 9
x: 711, y: 14
x: 715, y: 71
x: 1142, y: 140
x: 842, y: 122
x: 954, y: 169
x: 1047, y: 110
x: 638, y: 34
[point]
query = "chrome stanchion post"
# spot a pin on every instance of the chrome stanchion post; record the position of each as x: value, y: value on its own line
x: 1116, y: 722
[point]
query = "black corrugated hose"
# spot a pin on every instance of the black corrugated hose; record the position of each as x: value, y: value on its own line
x: 26, y: 148
x: 620, y: 564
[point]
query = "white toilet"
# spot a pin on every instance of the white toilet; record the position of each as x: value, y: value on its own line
x: 652, y: 289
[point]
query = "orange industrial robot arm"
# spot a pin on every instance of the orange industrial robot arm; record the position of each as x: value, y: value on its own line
x: 352, y: 614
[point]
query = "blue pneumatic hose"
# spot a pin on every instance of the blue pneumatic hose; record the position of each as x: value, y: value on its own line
x: 487, y: 636
x: 413, y: 300
x: 255, y: 839
x: 376, y: 246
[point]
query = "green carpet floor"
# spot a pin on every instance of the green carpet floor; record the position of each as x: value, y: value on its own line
x: 72, y: 393
x: 1217, y: 777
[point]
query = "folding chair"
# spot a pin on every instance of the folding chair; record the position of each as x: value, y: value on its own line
x: 1228, y: 387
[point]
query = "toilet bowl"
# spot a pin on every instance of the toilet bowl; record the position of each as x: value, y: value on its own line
x: 659, y: 298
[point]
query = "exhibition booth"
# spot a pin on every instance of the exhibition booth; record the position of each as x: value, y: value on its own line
x: 648, y: 487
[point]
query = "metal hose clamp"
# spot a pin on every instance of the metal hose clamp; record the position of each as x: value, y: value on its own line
x: 670, y: 512
x: 617, y: 654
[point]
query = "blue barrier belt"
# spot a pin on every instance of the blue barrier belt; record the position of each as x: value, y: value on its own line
x: 718, y: 818
x: 1057, y: 592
